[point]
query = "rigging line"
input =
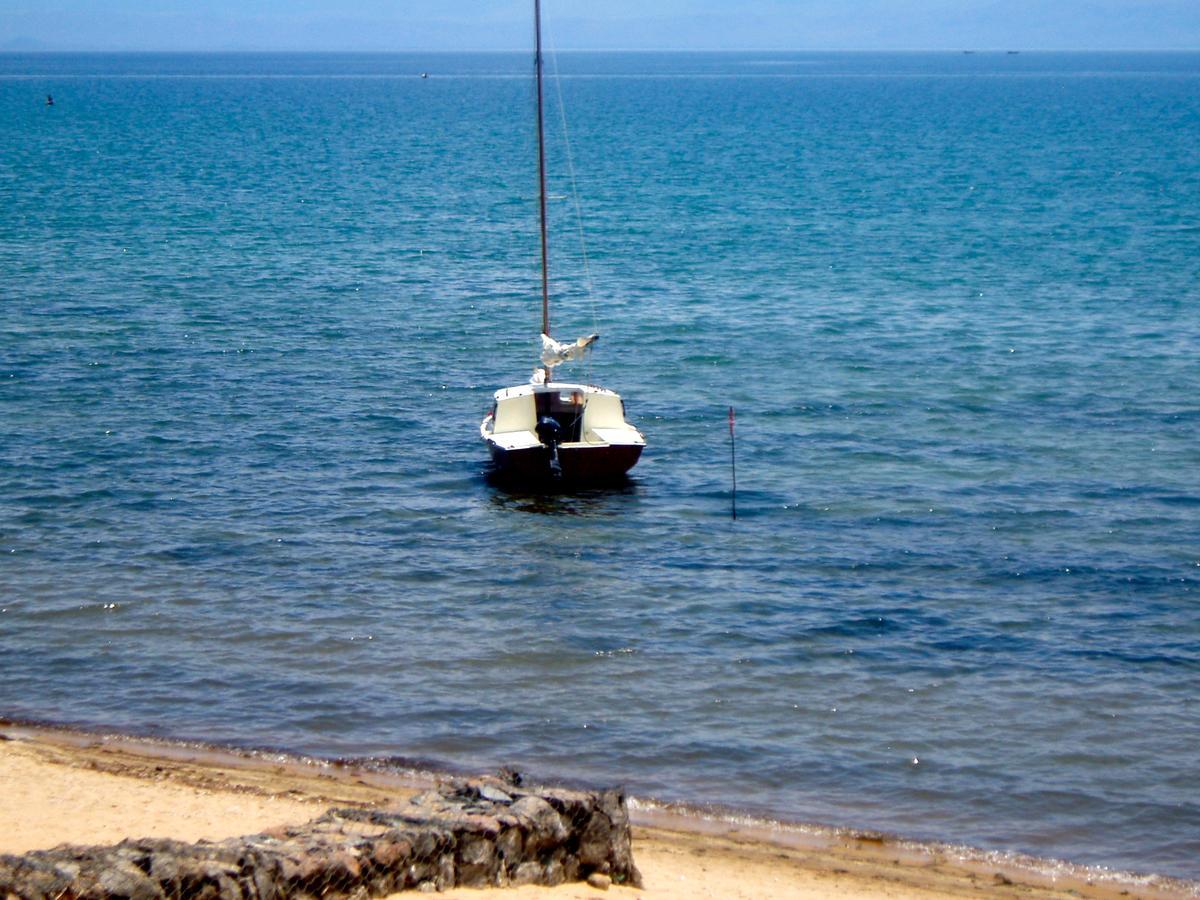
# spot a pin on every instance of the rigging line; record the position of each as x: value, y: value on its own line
x: 562, y: 111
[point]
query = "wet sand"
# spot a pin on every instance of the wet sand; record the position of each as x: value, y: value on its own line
x: 63, y: 787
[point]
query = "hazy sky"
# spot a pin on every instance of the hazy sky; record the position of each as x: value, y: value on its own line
x: 599, y: 24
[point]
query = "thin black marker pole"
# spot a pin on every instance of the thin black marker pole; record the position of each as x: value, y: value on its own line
x: 732, y: 466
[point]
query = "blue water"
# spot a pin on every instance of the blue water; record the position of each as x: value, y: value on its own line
x: 254, y: 306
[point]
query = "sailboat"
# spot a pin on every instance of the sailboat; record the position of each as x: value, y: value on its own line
x: 551, y: 430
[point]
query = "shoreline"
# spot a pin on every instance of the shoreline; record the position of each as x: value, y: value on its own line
x: 672, y: 843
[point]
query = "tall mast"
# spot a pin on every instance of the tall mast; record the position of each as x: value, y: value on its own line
x: 537, y: 63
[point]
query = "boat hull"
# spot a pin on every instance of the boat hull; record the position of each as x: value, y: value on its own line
x: 524, y: 464
x: 590, y: 464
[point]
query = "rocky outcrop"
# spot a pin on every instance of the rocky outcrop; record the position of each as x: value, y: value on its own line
x: 468, y: 834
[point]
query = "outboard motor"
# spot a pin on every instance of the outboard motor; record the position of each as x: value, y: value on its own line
x: 549, y: 432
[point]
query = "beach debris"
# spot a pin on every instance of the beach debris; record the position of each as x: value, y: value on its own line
x: 467, y: 833
x: 494, y: 794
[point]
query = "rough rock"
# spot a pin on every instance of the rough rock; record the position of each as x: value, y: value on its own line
x: 599, y: 881
x: 466, y: 834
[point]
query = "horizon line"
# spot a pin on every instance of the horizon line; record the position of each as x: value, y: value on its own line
x: 515, y: 50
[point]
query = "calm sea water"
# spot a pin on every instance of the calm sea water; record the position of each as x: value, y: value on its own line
x: 253, y: 307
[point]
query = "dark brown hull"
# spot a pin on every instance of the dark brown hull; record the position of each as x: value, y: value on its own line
x: 526, y: 464
x: 597, y: 463
x: 576, y: 465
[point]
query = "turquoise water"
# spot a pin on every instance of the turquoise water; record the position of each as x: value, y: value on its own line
x: 255, y: 306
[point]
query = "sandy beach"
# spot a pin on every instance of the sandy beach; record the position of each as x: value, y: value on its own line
x: 63, y: 787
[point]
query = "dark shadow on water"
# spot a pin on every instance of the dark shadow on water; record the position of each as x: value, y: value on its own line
x: 556, y: 498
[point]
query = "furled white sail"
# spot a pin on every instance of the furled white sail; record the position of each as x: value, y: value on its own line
x: 554, y: 352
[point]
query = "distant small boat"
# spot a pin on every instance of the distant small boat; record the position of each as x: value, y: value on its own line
x: 1013, y: 52
x: 49, y: 100
x: 424, y: 74
x: 549, y: 430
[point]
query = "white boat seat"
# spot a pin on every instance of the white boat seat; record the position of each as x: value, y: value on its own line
x: 624, y: 435
x: 516, y: 440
